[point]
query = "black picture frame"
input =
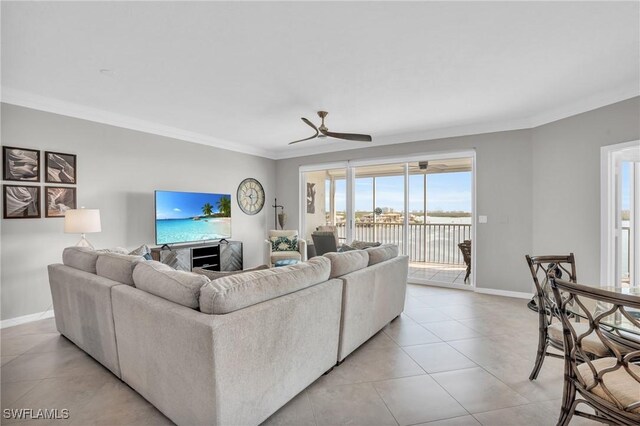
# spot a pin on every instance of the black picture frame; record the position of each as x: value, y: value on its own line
x: 10, y: 193
x: 11, y: 172
x: 68, y: 195
x: 60, y: 164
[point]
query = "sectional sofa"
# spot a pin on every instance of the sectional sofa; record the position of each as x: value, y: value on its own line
x: 231, y: 351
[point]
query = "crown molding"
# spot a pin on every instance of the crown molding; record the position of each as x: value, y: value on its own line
x: 594, y: 101
x: 598, y: 100
x: 69, y: 109
x: 440, y: 133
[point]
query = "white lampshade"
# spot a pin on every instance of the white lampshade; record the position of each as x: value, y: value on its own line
x: 82, y: 221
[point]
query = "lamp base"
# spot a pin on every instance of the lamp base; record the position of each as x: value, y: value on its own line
x: 84, y: 243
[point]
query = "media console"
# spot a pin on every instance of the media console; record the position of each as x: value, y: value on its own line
x: 216, y: 256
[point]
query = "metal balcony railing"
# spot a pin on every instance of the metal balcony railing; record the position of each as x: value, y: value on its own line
x: 429, y: 243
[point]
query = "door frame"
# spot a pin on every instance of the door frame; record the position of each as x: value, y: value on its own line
x: 350, y: 166
x: 608, y: 206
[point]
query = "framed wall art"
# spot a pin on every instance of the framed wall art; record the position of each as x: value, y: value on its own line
x: 60, y: 168
x: 21, y: 202
x: 59, y: 199
x: 20, y: 164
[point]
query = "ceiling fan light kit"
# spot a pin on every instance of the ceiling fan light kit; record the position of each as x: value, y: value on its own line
x: 323, y: 132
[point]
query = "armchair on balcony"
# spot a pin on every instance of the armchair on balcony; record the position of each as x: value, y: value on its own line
x: 465, y: 248
x: 284, y: 245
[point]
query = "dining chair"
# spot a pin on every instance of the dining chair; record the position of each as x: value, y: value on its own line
x: 549, y: 327
x: 609, y: 385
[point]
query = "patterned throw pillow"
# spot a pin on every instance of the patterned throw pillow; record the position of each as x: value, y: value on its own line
x: 284, y: 243
x: 143, y: 251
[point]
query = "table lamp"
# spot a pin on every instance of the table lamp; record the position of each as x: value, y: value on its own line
x: 82, y: 221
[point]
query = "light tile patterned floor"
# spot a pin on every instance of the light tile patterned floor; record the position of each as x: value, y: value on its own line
x: 437, y: 272
x: 453, y: 358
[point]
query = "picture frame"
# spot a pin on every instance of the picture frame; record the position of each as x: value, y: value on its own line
x: 21, y: 202
x: 59, y: 199
x: 20, y: 164
x: 60, y: 168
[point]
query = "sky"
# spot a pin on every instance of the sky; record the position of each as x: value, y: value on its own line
x: 181, y: 205
x: 445, y: 191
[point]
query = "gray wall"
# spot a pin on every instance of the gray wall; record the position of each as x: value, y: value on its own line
x: 566, y: 173
x: 540, y: 189
x: 503, y: 182
x: 118, y: 170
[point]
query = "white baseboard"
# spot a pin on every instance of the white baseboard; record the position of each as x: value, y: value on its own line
x: 505, y: 293
x: 26, y: 318
x: 421, y: 281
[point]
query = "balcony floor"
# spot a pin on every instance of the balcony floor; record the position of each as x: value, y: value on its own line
x: 438, y: 272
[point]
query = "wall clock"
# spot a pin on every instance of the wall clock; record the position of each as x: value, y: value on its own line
x: 250, y: 196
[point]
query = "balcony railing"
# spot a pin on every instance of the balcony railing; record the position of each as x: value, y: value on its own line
x: 430, y: 242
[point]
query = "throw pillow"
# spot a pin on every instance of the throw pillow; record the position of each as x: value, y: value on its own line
x: 143, y: 251
x: 214, y: 275
x: 116, y: 250
x: 361, y: 245
x: 284, y: 243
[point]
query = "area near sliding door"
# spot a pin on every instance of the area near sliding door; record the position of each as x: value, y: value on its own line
x: 424, y: 204
x: 620, y: 211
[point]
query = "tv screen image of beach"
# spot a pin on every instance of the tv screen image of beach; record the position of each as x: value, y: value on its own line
x: 183, y: 217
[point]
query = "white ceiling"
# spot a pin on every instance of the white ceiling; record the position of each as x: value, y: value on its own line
x: 240, y: 75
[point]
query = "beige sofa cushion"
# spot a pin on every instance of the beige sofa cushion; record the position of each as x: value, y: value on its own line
x: 163, y: 281
x: 624, y: 388
x: 214, y: 275
x: 382, y: 253
x: 82, y: 258
x: 344, y: 263
x: 117, y: 267
x: 232, y: 293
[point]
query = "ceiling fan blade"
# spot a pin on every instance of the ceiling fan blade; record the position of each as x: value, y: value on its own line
x: 310, y: 124
x: 347, y: 136
x: 310, y: 137
x: 305, y: 139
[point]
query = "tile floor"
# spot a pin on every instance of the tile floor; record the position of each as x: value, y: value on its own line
x: 437, y: 272
x: 453, y: 358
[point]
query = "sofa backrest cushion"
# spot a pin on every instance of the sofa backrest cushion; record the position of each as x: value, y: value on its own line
x: 382, y: 253
x: 117, y: 267
x: 214, y: 275
x: 82, y: 258
x: 229, y: 294
x: 344, y: 263
x: 163, y: 281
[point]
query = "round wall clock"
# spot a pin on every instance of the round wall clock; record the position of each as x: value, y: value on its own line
x: 250, y: 196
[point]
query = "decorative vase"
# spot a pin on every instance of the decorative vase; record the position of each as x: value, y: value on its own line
x: 282, y: 219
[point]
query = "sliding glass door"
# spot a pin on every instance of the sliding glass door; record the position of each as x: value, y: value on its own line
x: 422, y: 205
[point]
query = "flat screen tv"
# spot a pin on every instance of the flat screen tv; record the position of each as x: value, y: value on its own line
x: 183, y: 217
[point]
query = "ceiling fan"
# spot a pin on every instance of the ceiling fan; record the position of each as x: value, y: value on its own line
x: 323, y: 131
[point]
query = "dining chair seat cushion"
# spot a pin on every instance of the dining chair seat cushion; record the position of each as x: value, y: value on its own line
x: 619, y: 383
x: 590, y: 344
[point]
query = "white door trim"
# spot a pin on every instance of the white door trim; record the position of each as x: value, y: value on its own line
x: 608, y: 210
